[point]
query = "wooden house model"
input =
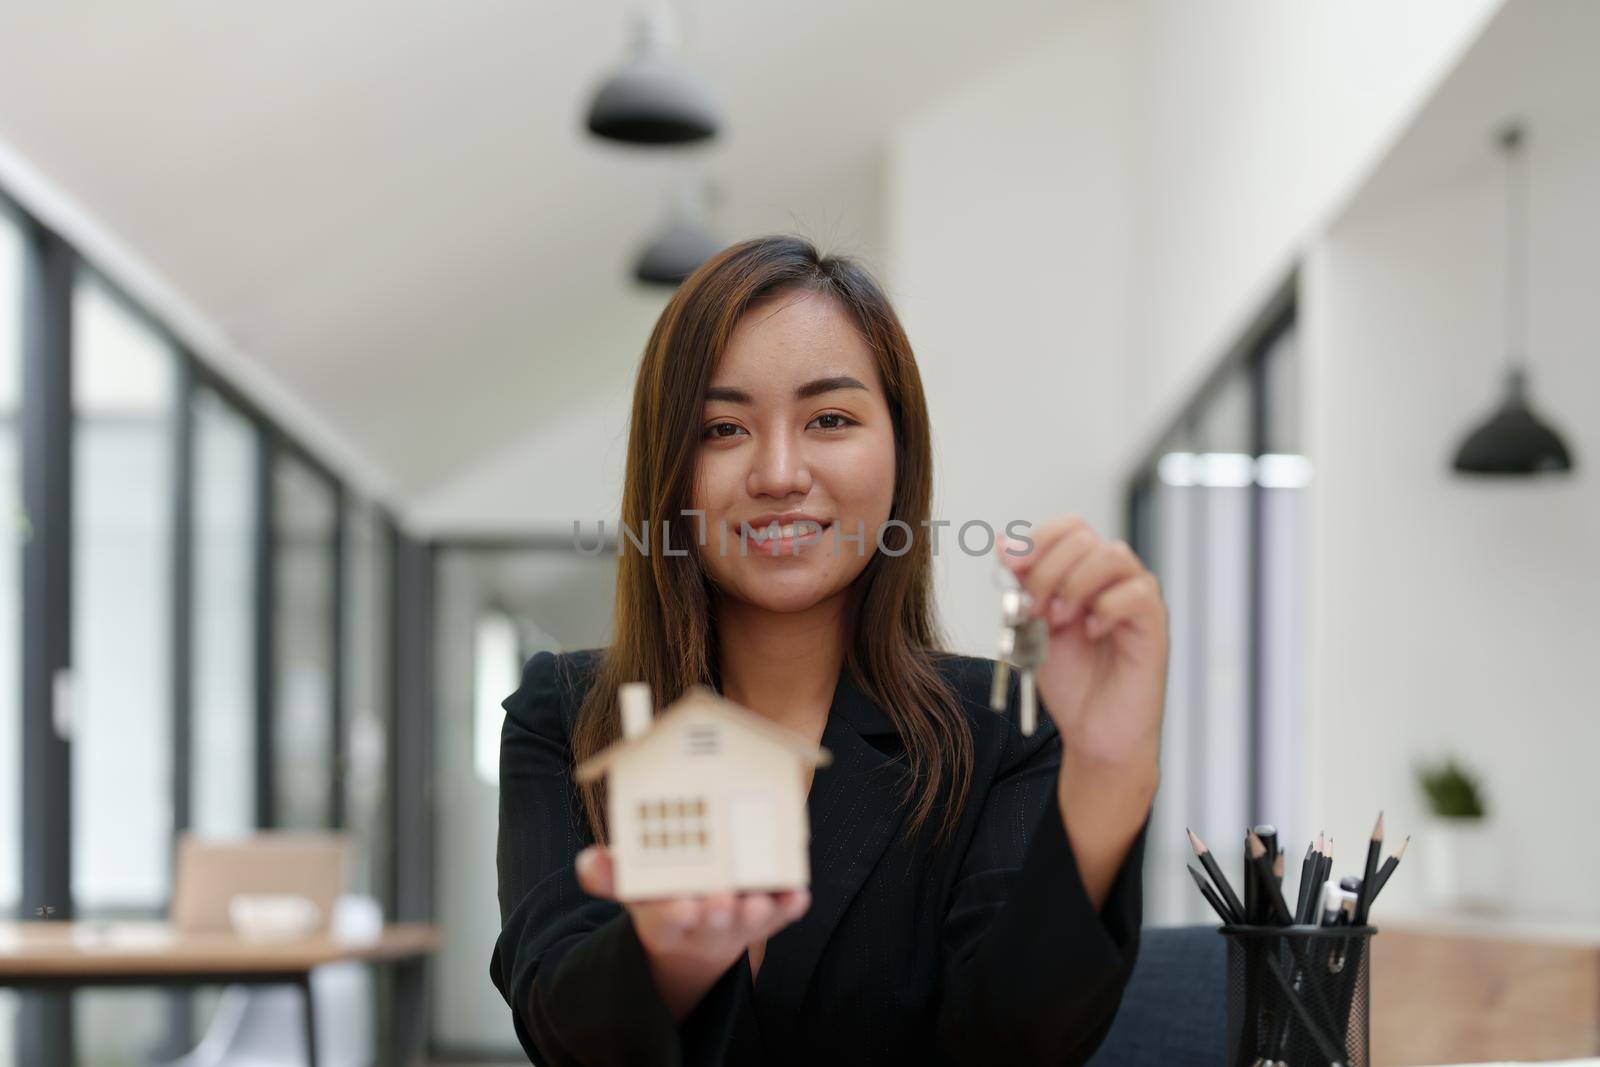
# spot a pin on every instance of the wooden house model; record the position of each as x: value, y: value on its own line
x: 707, y: 797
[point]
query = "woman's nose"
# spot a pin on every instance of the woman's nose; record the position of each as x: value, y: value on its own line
x: 779, y: 468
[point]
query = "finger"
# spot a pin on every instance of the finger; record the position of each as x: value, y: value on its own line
x: 1046, y: 576
x: 1130, y: 602
x: 595, y: 873
x: 1042, y: 537
x: 794, y: 903
x: 663, y: 923
x: 679, y: 917
x: 755, y: 911
x: 1060, y: 615
x: 1108, y: 564
x: 787, y: 907
x: 719, y: 911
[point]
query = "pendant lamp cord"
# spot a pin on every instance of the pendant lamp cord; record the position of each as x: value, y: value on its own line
x: 1516, y: 295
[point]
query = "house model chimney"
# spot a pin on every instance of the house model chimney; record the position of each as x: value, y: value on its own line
x: 636, y: 708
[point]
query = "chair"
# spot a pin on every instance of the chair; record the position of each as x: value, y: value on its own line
x: 264, y: 1026
x: 1175, y: 1007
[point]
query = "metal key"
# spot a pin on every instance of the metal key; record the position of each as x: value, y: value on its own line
x: 1023, y: 643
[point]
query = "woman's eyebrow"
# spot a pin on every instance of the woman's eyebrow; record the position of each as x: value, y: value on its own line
x: 801, y: 392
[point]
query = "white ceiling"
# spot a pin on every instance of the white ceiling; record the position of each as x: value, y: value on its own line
x: 1534, y: 63
x: 392, y: 207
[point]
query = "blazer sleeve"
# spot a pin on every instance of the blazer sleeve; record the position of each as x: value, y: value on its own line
x: 1032, y: 973
x: 571, y: 966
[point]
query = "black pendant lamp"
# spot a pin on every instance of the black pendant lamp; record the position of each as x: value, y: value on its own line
x: 1514, y: 440
x: 682, y: 245
x: 654, y: 99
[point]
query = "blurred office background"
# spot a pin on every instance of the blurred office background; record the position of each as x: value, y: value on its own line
x: 317, y: 333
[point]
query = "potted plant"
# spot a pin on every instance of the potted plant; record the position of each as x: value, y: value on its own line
x: 1461, y: 867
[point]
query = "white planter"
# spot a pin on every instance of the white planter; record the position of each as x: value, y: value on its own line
x: 1463, y: 866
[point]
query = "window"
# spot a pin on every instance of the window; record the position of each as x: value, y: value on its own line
x: 369, y: 695
x: 495, y: 675
x: 124, y: 463
x: 554, y: 598
x: 222, y: 761
x: 12, y: 527
x: 124, y: 443
x: 305, y: 544
x: 673, y: 827
x: 1218, y: 514
x: 135, y: 396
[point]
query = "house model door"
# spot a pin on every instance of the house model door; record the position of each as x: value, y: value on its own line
x: 752, y: 820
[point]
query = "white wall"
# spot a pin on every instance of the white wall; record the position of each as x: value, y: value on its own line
x: 555, y: 472
x: 570, y: 467
x: 1253, y: 123
x: 1454, y: 616
x: 1076, y: 238
x: 1009, y: 212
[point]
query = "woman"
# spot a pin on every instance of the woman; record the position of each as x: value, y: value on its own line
x: 975, y: 894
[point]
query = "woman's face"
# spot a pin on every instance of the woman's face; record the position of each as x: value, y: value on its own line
x: 795, y: 426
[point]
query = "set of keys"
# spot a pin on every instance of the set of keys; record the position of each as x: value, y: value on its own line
x: 1023, y: 644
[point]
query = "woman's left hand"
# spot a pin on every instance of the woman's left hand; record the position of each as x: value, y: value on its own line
x: 1104, y: 678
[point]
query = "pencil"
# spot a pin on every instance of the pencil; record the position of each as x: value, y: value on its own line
x: 1265, y: 884
x: 1306, y: 870
x: 1370, y: 872
x: 1388, y: 867
x: 1269, y: 837
x: 1209, y: 862
x: 1252, y: 895
x: 1210, y: 894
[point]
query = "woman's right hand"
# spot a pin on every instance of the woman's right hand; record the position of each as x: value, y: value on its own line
x: 692, y: 940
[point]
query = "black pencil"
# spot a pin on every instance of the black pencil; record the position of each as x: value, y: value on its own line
x: 1210, y: 894
x: 1269, y: 837
x: 1387, y: 869
x: 1369, y: 873
x: 1306, y: 880
x: 1224, y: 890
x: 1264, y: 881
x: 1252, y: 894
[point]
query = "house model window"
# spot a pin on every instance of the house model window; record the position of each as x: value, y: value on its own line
x: 672, y: 825
x: 707, y: 797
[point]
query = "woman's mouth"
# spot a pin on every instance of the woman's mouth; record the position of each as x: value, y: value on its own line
x: 788, y: 538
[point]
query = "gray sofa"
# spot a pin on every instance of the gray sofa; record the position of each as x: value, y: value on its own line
x: 1175, y: 1008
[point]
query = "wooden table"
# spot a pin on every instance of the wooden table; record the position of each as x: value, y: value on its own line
x: 69, y: 955
x: 1468, y: 988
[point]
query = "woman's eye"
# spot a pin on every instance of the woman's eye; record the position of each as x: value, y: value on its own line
x: 716, y: 428
x: 839, y: 421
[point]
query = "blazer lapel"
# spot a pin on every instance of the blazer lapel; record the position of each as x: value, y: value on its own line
x: 854, y: 813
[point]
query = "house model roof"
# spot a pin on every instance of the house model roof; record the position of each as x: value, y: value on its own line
x: 702, y: 699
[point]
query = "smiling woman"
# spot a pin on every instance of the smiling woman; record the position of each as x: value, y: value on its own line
x: 781, y: 386
x: 974, y: 893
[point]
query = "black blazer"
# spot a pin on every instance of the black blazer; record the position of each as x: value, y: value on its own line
x: 987, y: 952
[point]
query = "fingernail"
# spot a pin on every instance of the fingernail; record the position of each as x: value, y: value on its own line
x: 1061, y: 614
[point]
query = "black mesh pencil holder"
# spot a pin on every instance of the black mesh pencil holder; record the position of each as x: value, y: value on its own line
x: 1298, y: 995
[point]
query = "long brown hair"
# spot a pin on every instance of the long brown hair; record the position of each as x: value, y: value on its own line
x: 663, y: 629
